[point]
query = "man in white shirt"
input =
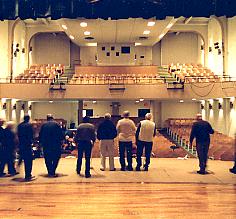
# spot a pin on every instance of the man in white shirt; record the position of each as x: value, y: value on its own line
x: 126, y: 131
x: 144, y: 139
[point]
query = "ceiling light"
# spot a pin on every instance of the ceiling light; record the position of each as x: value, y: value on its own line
x: 161, y: 36
x: 86, y: 33
x: 83, y: 24
x: 50, y: 101
x: 137, y: 44
x: 94, y: 101
x: 194, y: 99
x: 137, y: 101
x: 64, y: 27
x: 91, y: 44
x: 181, y: 101
x: 72, y: 37
x: 169, y: 25
x: 151, y: 23
x: 141, y: 100
x: 146, y: 32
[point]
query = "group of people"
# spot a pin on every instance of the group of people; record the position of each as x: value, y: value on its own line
x: 51, y: 137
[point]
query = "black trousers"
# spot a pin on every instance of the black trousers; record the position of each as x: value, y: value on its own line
x: 202, y: 151
x: 148, y: 149
x: 7, y: 158
x: 51, y: 160
x: 27, y: 156
x: 84, y: 147
x: 125, y: 146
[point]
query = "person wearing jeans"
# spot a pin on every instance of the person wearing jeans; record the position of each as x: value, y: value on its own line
x: 106, y: 134
x: 144, y: 140
x: 126, y: 131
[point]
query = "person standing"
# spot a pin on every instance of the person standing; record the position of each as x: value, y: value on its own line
x: 126, y: 131
x: 106, y: 133
x: 50, y: 137
x: 85, y: 138
x: 201, y: 130
x: 25, y: 137
x: 233, y: 170
x: 3, y: 148
x: 144, y: 139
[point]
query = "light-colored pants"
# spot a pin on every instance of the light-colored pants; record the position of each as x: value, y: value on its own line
x: 107, y: 150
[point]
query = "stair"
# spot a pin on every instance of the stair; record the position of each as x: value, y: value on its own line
x: 163, y: 71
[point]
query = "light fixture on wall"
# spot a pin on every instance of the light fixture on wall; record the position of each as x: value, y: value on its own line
x: 30, y: 107
x: 216, y: 45
x: 202, y: 106
x: 23, y: 106
x: 135, y: 57
x: 219, y: 51
x: 30, y: 49
x: 210, y: 49
x: 219, y: 105
x: 202, y: 47
x: 231, y: 104
x: 23, y: 50
x: 4, y: 106
x: 14, y: 107
x: 210, y: 106
x: 96, y: 58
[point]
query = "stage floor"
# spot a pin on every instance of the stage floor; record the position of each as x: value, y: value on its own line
x: 162, y: 170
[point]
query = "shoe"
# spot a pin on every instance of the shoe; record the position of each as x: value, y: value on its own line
x: 130, y: 168
x: 137, y: 169
x: 30, y: 178
x: 78, y: 172
x: 2, y: 174
x: 145, y: 168
x: 102, y: 169
x: 233, y: 170
x: 13, y: 174
x: 87, y: 175
x: 122, y: 168
x: 113, y: 169
x: 202, y: 172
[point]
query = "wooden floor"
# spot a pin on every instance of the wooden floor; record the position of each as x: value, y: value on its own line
x: 118, y: 200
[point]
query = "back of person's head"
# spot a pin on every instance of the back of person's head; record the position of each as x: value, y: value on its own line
x: 148, y: 116
x: 1, y: 122
x: 49, y: 117
x: 10, y: 125
x: 26, y: 118
x: 126, y: 114
x: 107, y: 116
x: 199, y: 116
x: 86, y: 119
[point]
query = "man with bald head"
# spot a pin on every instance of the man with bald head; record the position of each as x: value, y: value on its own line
x: 201, y: 130
x: 106, y: 133
x: 144, y: 140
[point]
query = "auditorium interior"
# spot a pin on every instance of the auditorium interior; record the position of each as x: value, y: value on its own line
x: 175, y: 62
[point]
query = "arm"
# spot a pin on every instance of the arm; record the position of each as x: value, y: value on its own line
x: 137, y: 132
x: 192, y: 135
x: 211, y: 130
x: 155, y: 131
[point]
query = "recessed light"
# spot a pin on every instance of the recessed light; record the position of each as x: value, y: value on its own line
x: 161, y: 36
x: 137, y: 44
x: 169, y: 25
x: 50, y: 101
x: 94, y: 101
x: 64, y: 27
x: 83, y: 24
x: 181, y: 101
x: 146, y: 32
x: 151, y: 23
x: 194, y: 99
x: 91, y: 44
x: 86, y: 33
x: 72, y: 37
x: 141, y: 99
x: 137, y: 101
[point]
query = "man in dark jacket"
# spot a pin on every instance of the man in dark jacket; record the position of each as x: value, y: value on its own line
x: 201, y: 130
x: 25, y: 136
x: 50, y: 137
x: 106, y: 134
x: 85, y: 138
x: 3, y: 148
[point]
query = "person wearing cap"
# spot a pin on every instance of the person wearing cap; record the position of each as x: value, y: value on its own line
x: 85, y: 138
x: 106, y: 133
x: 201, y: 130
x: 25, y: 136
x: 126, y: 132
x: 50, y: 137
x: 144, y: 140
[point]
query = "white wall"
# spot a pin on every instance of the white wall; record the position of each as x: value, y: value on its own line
x: 20, y: 61
x: 4, y: 53
x: 51, y: 49
x: 87, y: 55
x: 156, y: 54
x: 232, y: 46
x: 182, y: 48
x: 215, y: 61
x: 174, y: 109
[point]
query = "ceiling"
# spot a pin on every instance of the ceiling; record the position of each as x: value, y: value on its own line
x: 115, y: 31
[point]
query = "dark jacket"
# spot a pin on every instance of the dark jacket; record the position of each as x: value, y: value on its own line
x: 51, y: 136
x: 85, y: 132
x: 2, y: 140
x: 106, y: 130
x: 201, y: 130
x: 25, y: 135
x: 10, y: 140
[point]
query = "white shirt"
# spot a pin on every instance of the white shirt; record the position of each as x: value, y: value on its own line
x: 126, y: 130
x: 147, y: 130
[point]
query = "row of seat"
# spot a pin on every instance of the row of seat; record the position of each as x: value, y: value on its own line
x: 40, y: 73
x: 221, y: 148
